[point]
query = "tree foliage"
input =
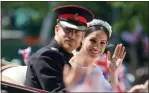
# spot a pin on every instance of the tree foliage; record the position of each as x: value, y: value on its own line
x: 121, y: 15
x: 131, y: 14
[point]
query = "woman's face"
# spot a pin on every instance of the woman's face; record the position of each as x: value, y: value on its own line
x: 95, y: 43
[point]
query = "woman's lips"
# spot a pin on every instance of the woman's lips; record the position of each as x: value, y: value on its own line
x: 95, y: 52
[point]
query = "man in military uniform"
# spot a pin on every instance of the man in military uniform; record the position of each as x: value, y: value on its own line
x: 45, y: 69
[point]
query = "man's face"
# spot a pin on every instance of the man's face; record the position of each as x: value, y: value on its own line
x: 68, y: 38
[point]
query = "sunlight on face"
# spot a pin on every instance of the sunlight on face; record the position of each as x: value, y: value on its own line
x: 95, y: 43
x: 69, y: 39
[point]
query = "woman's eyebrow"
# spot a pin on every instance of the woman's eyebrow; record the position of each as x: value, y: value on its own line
x: 103, y: 40
x: 93, y: 37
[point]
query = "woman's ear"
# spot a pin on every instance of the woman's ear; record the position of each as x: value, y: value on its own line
x: 103, y: 49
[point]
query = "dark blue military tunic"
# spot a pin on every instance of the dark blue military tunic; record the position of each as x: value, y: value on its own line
x: 45, y: 69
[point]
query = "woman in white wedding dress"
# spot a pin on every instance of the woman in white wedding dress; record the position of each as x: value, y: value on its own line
x: 84, y: 75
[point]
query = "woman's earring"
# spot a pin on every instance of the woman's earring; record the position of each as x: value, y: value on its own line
x: 103, y: 49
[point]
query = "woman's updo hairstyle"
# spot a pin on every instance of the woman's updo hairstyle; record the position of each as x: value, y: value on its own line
x: 98, y: 24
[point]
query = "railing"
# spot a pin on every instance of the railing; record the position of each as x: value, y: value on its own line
x: 12, y: 34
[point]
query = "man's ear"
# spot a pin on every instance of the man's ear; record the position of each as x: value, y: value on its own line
x: 83, y: 36
x: 82, y: 41
x: 56, y: 29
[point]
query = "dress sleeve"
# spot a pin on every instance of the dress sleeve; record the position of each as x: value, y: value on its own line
x: 100, y: 83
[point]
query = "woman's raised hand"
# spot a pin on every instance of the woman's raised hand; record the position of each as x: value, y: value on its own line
x: 116, y: 60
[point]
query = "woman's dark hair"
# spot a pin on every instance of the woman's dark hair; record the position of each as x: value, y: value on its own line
x: 95, y: 28
x: 97, y: 24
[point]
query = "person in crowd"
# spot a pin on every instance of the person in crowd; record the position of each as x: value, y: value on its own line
x: 140, y: 88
